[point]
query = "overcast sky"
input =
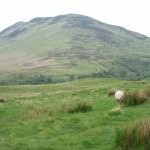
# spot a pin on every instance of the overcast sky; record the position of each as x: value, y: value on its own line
x: 131, y: 14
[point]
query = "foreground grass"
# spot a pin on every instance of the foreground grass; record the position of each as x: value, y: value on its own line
x: 35, y: 117
x: 135, y: 135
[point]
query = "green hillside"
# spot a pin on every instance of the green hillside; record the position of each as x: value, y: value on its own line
x: 71, y: 46
x: 36, y: 117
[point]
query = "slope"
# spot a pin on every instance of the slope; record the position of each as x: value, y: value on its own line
x: 75, y: 46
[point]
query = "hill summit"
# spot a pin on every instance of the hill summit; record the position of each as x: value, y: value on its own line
x: 71, y: 46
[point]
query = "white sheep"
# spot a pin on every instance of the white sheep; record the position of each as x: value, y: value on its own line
x: 119, y: 95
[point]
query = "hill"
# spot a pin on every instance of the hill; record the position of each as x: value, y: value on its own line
x: 71, y: 46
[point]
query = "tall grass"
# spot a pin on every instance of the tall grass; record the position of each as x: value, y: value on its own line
x: 34, y: 111
x: 135, y: 136
x: 147, y: 91
x: 111, y: 92
x: 79, y: 107
x: 134, y: 98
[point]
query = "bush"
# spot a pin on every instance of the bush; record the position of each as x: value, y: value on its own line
x: 111, y: 92
x: 135, y: 136
x: 134, y: 98
x: 2, y: 100
x: 79, y: 107
x: 147, y: 91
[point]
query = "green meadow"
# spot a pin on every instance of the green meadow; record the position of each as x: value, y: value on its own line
x: 36, y: 117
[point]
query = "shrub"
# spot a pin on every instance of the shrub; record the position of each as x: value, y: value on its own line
x: 135, y: 136
x: 134, y: 98
x: 111, y: 92
x: 143, y: 96
x: 2, y: 100
x: 79, y: 107
x: 147, y: 91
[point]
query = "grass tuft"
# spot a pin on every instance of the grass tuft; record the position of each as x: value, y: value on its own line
x: 134, y: 98
x: 147, y: 91
x: 111, y: 92
x: 2, y: 100
x: 135, y: 135
x: 79, y: 107
x: 34, y: 111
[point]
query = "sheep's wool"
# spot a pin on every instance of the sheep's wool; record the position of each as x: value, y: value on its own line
x: 119, y: 95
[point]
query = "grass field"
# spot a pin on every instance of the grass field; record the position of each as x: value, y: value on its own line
x: 36, y: 117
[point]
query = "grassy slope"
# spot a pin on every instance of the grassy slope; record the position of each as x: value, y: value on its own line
x: 33, y: 116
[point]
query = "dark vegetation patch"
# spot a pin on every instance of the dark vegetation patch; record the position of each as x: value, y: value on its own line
x: 16, y: 32
x: 2, y: 100
x: 111, y: 92
x: 72, y: 53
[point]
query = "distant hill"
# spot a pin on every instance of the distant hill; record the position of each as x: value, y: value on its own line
x: 68, y: 47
